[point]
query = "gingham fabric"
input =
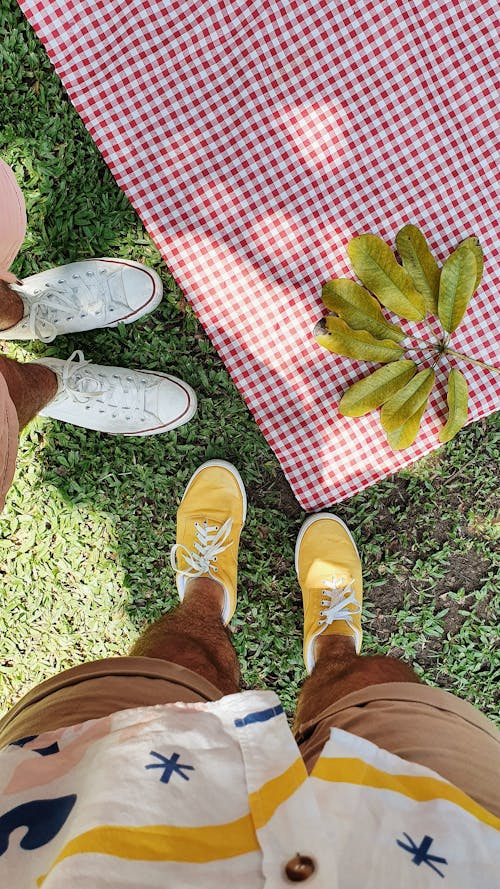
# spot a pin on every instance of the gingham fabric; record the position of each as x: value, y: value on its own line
x: 255, y: 138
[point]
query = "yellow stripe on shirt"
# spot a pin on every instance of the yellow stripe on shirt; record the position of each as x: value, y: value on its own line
x: 194, y: 845
x: 163, y: 842
x: 420, y: 788
x: 264, y: 802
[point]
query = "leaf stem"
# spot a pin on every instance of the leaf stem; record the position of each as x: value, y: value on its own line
x: 472, y: 360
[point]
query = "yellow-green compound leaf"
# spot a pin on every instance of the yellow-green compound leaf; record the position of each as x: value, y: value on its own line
x: 458, y: 399
x: 456, y: 286
x: 376, y: 267
x: 401, y: 406
x: 359, y: 309
x: 360, y: 344
x: 474, y: 245
x: 375, y: 389
x: 420, y: 264
x: 403, y: 437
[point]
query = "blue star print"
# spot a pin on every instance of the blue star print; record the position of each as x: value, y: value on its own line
x: 421, y: 853
x: 170, y: 766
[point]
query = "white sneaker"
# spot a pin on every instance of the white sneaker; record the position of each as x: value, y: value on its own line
x: 84, y: 296
x: 117, y: 400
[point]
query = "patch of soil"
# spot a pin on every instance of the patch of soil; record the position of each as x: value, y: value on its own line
x: 275, y: 493
x: 465, y: 571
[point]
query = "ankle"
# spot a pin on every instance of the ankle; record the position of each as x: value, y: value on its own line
x: 31, y: 387
x: 11, y: 307
x: 328, y: 648
x: 206, y: 589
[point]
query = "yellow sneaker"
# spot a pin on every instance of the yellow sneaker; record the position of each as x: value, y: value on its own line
x: 210, y: 517
x: 329, y: 572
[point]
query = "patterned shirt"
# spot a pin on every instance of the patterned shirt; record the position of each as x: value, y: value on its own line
x: 217, y: 794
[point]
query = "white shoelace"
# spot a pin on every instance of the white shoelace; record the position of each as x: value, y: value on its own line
x: 209, y: 542
x: 62, y: 298
x: 340, y: 594
x: 126, y: 394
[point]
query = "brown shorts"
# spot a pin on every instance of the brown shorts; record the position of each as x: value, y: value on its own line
x: 418, y: 723
x: 9, y: 433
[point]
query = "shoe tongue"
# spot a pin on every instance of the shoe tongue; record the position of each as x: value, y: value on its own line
x: 322, y: 571
x: 87, y: 385
x: 81, y: 382
x: 70, y: 298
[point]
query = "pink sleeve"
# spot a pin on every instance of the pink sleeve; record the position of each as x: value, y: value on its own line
x: 12, y: 221
x: 9, y: 433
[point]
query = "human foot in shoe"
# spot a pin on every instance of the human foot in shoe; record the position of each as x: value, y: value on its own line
x: 117, y: 400
x: 84, y: 296
x: 329, y: 572
x: 210, y: 517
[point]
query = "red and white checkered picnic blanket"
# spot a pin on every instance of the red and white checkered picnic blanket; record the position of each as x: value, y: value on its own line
x: 255, y: 138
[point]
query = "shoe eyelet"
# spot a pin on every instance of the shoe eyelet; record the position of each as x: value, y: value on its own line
x: 60, y: 282
x: 215, y: 569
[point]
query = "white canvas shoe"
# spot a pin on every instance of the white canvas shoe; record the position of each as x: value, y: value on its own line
x: 84, y: 296
x: 117, y: 400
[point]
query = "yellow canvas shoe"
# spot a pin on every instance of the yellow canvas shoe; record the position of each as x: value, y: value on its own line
x: 210, y: 517
x: 329, y: 572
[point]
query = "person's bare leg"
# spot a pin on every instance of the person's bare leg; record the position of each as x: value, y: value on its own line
x: 31, y: 387
x: 11, y: 307
x: 195, y: 637
x: 339, y: 671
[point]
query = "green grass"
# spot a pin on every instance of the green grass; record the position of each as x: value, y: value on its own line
x: 89, y: 520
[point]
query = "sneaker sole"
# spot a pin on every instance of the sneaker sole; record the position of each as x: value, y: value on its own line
x: 310, y: 521
x: 232, y: 469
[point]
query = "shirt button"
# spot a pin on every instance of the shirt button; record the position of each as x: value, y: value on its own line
x: 299, y: 868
